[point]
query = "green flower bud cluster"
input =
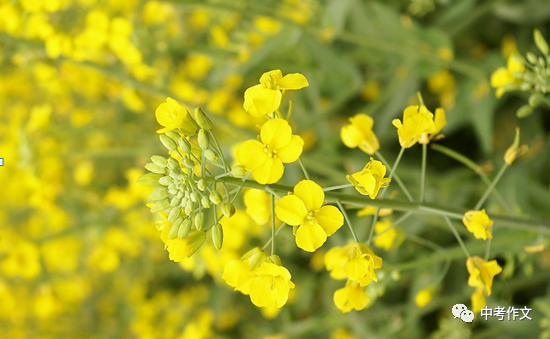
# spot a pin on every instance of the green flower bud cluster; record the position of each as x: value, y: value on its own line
x: 186, y: 200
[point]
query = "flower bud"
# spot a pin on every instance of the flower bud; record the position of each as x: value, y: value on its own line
x: 165, y: 181
x: 274, y: 259
x: 199, y: 221
x: 201, y: 185
x: 155, y: 168
x: 185, y: 227
x: 194, y: 196
x: 228, y: 209
x: 215, y: 197
x: 217, y: 235
x: 169, y: 143
x: 531, y: 58
x: 542, y: 45
x: 254, y: 257
x: 175, y: 201
x: 524, y: 111
x: 174, y: 230
x: 149, y: 179
x: 202, y: 119
x: 196, y: 240
x: 185, y: 145
x: 175, y: 213
x: 159, y: 194
x: 173, y: 135
x: 188, y: 163
x: 238, y: 171
x: 159, y: 206
x: 211, y: 155
x: 203, y: 140
x: 159, y: 160
x: 205, y: 202
x: 173, y: 163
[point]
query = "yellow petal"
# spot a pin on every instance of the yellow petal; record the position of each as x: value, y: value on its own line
x: 251, y: 154
x: 439, y: 120
x: 310, y: 236
x: 293, y: 81
x: 291, y: 210
x: 276, y: 133
x: 351, y: 136
x: 291, y: 151
x: 269, y: 172
x: 266, y: 101
x: 249, y: 95
x: 310, y: 193
x: 271, y: 78
x: 330, y: 219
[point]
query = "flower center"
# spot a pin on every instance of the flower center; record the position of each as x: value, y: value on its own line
x: 311, y: 216
x: 272, y: 153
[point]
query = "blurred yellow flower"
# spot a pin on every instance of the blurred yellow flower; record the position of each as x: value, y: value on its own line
x: 23, y: 259
x: 390, y: 239
x: 359, y: 134
x: 482, y: 272
x: 172, y: 115
x: 305, y: 209
x: 266, y: 97
x: 351, y: 297
x: 424, y: 296
x: 478, y: 223
x: 503, y: 77
x: 416, y: 122
x: 265, y: 159
x: 478, y: 300
x: 370, y: 179
x: 336, y: 259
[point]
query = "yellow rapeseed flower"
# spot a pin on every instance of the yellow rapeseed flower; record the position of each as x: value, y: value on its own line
x: 305, y: 209
x: 370, y: 179
x: 362, y: 264
x: 417, y: 120
x: 482, y: 272
x: 478, y: 300
x: 270, y: 284
x: 504, y: 77
x: 266, y: 97
x: 172, y: 115
x: 424, y: 296
x: 478, y: 223
x: 359, y: 134
x: 351, y: 297
x: 390, y: 239
x: 278, y: 145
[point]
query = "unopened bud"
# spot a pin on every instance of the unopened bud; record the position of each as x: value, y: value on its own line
x: 205, y: 202
x: 540, y: 42
x: 228, y: 209
x: 159, y: 206
x: 155, y: 168
x: 194, y: 196
x: 173, y: 163
x: 185, y: 145
x: 201, y: 184
x: 165, y: 181
x: 211, y: 155
x: 174, y: 230
x: 199, y: 221
x: 175, y: 201
x: 188, y: 163
x: 159, y: 160
x: 217, y: 235
x: 202, y: 119
x: 173, y: 135
x: 524, y: 111
x: 238, y: 171
x: 196, y: 240
x: 149, y: 179
x: 215, y: 197
x: 159, y: 194
x: 169, y: 143
x: 532, y: 58
x: 185, y: 227
x: 203, y: 140
x: 175, y: 213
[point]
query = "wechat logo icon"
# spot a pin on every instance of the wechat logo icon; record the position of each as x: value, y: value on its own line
x: 462, y: 312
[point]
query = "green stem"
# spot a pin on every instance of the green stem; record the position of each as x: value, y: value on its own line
x: 474, y: 167
x: 423, y: 174
x: 334, y: 188
x: 225, y: 163
x: 395, y: 204
x: 491, y: 187
x: 272, y: 224
x: 303, y: 168
x: 395, y: 223
x: 375, y: 218
x: 397, y: 179
x: 271, y: 239
x: 457, y: 236
x: 347, y: 221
